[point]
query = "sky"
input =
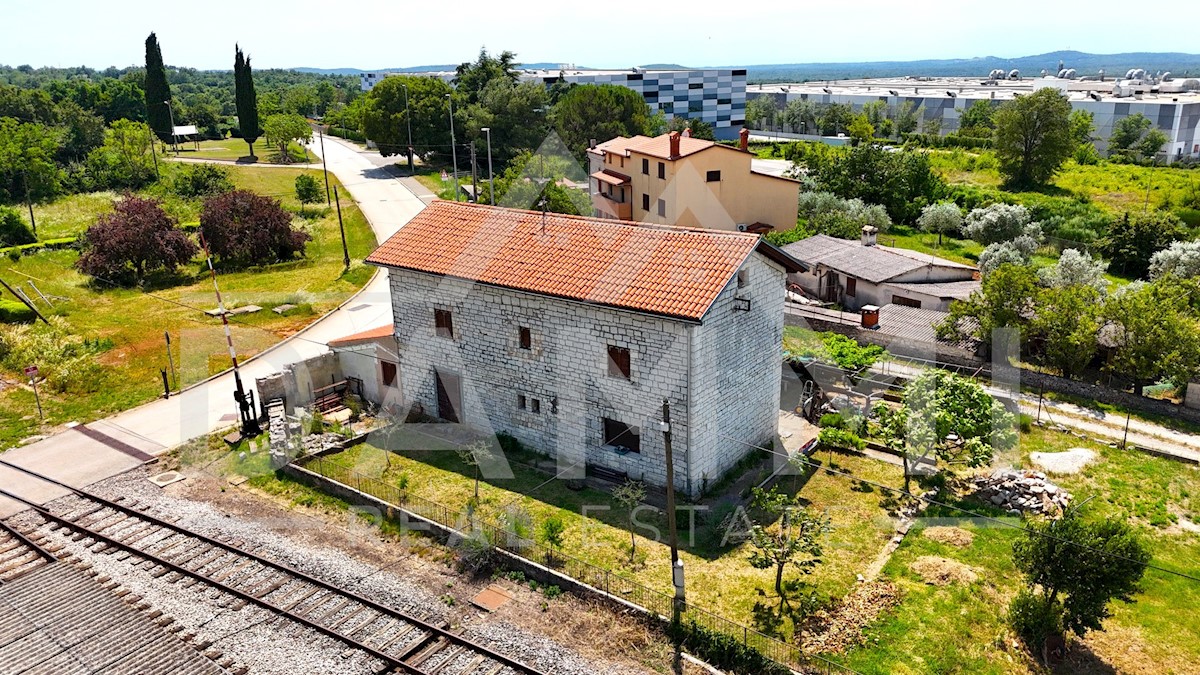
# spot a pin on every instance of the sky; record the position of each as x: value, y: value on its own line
x: 376, y: 34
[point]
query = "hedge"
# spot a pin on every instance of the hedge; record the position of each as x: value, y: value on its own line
x: 47, y: 244
x: 947, y: 141
x: 348, y: 134
x: 12, y: 311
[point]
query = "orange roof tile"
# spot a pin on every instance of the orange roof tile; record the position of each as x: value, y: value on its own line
x: 660, y: 146
x: 611, y: 177
x: 385, y: 331
x: 671, y: 271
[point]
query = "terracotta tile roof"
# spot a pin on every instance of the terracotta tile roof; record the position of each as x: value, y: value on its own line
x: 365, y: 336
x: 660, y: 146
x: 672, y: 271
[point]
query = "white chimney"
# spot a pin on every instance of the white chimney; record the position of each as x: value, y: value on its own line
x: 869, y: 233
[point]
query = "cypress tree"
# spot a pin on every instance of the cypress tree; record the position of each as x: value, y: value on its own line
x: 157, y: 91
x: 245, y: 99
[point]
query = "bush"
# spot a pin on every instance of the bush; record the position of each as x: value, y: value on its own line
x: 201, y: 180
x: 66, y: 360
x: 13, y: 311
x: 723, y: 650
x: 348, y: 134
x: 831, y: 421
x: 840, y: 439
x: 243, y: 228
x: 1034, y: 617
x: 13, y: 230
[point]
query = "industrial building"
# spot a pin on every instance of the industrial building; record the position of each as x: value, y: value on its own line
x: 716, y: 96
x: 1173, y: 105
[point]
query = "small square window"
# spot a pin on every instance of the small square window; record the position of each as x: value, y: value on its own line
x: 646, y: 203
x: 535, y: 406
x: 521, y: 401
x: 646, y: 167
x: 713, y: 177
x: 526, y: 338
x: 662, y: 170
x: 618, y: 362
x: 443, y: 323
x: 743, y: 277
x: 662, y: 208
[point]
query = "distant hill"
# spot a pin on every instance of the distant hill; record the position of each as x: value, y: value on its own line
x: 1086, y: 64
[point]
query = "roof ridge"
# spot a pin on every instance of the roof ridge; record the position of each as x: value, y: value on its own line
x: 605, y: 221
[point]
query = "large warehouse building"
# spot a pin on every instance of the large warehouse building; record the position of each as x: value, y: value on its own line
x: 715, y: 96
x: 1172, y: 105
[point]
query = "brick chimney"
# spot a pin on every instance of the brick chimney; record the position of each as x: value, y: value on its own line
x: 673, y: 137
x: 744, y: 139
x: 687, y: 133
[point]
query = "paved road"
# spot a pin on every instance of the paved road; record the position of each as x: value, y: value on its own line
x: 105, y: 448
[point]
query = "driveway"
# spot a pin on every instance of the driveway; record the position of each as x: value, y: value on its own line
x: 92, y: 452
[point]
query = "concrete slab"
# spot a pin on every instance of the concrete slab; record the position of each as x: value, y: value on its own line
x: 72, y: 458
x: 283, y: 309
x: 491, y: 598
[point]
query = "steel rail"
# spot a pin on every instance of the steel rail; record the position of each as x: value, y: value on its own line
x: 281, y: 567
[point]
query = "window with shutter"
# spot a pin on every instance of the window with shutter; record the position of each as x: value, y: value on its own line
x: 618, y: 362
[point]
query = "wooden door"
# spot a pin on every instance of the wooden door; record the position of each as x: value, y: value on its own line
x: 449, y: 395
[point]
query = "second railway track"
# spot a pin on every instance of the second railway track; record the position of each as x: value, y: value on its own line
x: 399, y: 641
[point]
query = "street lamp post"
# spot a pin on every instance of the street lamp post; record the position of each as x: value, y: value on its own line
x: 453, y: 149
x: 171, y: 116
x: 491, y: 179
x: 408, y: 121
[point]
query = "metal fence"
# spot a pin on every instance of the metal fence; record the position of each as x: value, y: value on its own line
x: 602, y: 579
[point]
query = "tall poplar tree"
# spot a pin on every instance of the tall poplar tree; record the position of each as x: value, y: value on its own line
x: 157, y: 91
x: 245, y: 99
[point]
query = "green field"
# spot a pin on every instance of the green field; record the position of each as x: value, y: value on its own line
x: 135, y: 320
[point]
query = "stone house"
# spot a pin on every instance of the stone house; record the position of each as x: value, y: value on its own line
x: 857, y: 273
x: 569, y: 333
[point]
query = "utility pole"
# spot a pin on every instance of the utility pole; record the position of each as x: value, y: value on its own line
x: 453, y: 148
x: 408, y: 121
x: 174, y: 138
x: 676, y: 563
x: 32, y: 372
x: 491, y: 178
x: 171, y: 359
x: 474, y: 176
x: 29, y: 203
x: 1125, y: 438
x: 24, y: 301
x: 324, y: 165
x: 154, y: 154
x: 342, y: 229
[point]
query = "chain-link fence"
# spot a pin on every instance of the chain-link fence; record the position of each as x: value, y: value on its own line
x: 602, y: 579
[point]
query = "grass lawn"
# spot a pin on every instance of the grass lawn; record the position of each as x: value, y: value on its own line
x: 961, y: 628
x: 432, y: 179
x: 719, y: 579
x: 236, y: 149
x: 135, y: 320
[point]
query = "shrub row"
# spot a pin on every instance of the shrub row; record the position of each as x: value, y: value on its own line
x: 12, y: 311
x: 47, y: 245
x: 947, y: 141
x: 723, y: 650
x: 348, y: 134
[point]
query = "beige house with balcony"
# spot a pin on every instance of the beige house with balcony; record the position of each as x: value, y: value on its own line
x: 674, y: 179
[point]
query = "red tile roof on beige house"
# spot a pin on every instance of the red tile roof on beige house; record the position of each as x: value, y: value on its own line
x: 365, y: 336
x: 671, y: 271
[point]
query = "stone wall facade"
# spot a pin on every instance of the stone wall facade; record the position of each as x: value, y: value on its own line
x: 727, y: 369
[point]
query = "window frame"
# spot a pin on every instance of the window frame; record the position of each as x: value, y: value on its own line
x: 443, y: 323
x: 616, y: 434
x: 620, y: 362
x: 708, y: 176
x: 851, y: 286
x: 521, y: 405
x: 662, y: 171
x: 524, y: 338
x: 645, y: 167
x: 662, y: 208
x: 646, y: 202
x: 743, y: 278
x: 388, y: 373
x: 535, y: 406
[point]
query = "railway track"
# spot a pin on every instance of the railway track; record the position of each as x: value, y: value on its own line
x: 402, y: 643
x: 21, y: 554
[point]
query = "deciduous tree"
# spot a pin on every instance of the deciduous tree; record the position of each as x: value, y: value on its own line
x: 136, y: 239
x: 1075, y: 268
x: 795, y: 539
x: 308, y: 190
x: 384, y: 118
x: 1078, y: 568
x: 1155, y: 333
x: 1033, y: 137
x: 601, y: 112
x: 243, y: 228
x: 630, y: 495
x: 1134, y: 239
x: 281, y: 130
x: 1062, y: 333
x: 942, y: 218
x: 1180, y: 260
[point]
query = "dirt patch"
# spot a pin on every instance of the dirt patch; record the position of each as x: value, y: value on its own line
x: 841, y: 629
x: 1063, y: 463
x: 942, y: 572
x: 954, y: 536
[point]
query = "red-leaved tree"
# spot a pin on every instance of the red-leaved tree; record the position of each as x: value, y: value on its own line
x: 136, y: 239
x: 243, y: 228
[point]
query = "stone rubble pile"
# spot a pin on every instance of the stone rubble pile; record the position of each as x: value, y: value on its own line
x: 1020, y: 491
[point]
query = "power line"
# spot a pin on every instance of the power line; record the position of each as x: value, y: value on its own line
x: 845, y: 474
